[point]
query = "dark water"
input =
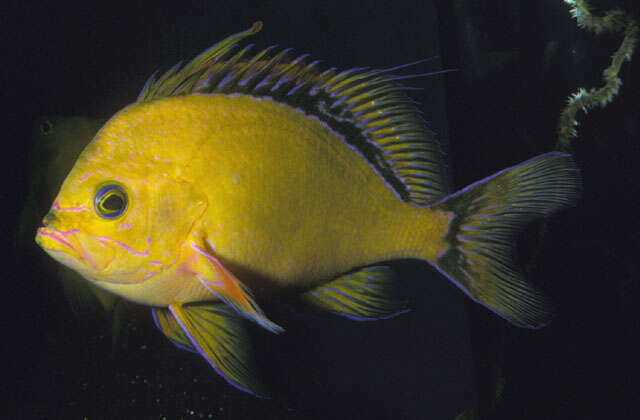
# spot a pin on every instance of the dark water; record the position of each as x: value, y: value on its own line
x: 518, y: 61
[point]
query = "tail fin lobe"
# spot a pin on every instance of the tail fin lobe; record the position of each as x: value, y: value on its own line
x: 488, y: 215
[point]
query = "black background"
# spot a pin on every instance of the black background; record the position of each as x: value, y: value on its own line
x: 499, y: 108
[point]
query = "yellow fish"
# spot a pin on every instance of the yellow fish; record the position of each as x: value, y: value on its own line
x: 236, y: 177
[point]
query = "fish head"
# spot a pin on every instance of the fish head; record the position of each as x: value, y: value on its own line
x: 118, y: 220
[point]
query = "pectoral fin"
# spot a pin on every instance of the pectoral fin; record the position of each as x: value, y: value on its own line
x: 364, y: 295
x: 218, y: 334
x: 221, y: 282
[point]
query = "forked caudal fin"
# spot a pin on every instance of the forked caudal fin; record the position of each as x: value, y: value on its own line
x: 487, y: 216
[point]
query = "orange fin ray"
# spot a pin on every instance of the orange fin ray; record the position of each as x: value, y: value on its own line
x: 222, y: 283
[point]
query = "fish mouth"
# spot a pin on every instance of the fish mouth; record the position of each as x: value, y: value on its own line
x: 76, y: 249
x: 53, y: 234
x: 62, y: 246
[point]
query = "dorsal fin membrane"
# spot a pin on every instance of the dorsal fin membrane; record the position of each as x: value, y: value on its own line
x: 367, y: 107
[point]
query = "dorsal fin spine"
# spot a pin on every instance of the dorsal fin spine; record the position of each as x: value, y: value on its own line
x: 377, y: 96
x: 341, y: 84
x: 144, y: 93
x: 321, y: 80
x: 254, y: 69
x: 332, y: 86
x: 362, y: 84
x: 288, y: 73
x: 163, y: 80
x: 233, y: 74
x: 268, y: 67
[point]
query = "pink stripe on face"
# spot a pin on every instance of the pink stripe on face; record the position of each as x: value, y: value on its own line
x: 131, y: 250
x: 56, y: 206
x: 124, y: 226
x: 87, y: 256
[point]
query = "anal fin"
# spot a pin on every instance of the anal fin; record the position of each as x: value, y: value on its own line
x: 363, y: 295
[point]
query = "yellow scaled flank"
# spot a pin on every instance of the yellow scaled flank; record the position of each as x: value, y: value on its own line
x: 287, y: 198
x: 282, y: 200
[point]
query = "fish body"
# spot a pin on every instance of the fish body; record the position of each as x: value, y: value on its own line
x: 232, y: 179
x: 257, y: 175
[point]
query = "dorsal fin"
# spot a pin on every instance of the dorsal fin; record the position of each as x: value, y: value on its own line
x: 369, y: 108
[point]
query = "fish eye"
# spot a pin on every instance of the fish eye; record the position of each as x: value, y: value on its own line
x: 110, y: 201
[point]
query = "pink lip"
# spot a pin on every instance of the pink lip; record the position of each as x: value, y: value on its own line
x: 54, y: 234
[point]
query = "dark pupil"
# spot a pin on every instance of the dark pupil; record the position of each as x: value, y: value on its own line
x: 114, y: 202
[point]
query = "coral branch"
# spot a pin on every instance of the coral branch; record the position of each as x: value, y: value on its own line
x: 612, y: 21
